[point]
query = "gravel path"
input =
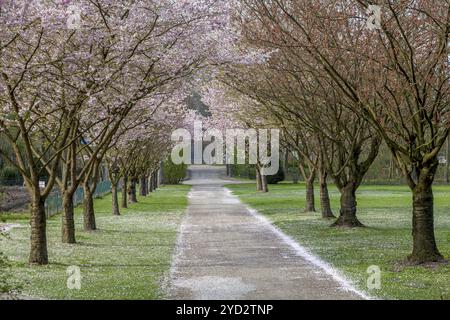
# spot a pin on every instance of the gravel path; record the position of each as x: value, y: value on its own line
x: 228, y: 251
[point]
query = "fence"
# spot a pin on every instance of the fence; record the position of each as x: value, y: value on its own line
x: 53, y: 204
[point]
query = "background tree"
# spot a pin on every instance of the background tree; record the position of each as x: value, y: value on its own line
x: 395, y: 77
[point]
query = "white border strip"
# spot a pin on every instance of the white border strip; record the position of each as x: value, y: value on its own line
x: 178, y: 251
x: 304, y: 253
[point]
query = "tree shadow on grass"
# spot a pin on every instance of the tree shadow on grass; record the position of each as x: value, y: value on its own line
x: 101, y: 265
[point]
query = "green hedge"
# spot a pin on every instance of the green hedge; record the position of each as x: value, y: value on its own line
x: 249, y: 172
x: 174, y: 173
x: 245, y: 171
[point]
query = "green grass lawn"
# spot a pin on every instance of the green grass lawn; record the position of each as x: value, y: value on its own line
x: 387, y: 240
x: 129, y: 256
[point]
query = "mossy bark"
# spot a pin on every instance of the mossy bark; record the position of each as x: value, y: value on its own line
x: 88, y: 210
x: 132, y: 191
x: 147, y: 185
x: 115, y: 200
x: 424, y: 243
x: 143, y: 186
x: 310, y: 205
x: 155, y: 179
x: 258, y: 180
x: 38, y: 238
x: 151, y: 186
x: 325, y: 206
x: 124, y: 203
x: 264, y: 184
x: 68, y: 221
x: 347, y: 215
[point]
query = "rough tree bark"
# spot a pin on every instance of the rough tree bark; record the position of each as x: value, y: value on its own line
x: 325, y: 206
x: 125, y: 192
x: 38, y: 239
x: 264, y: 185
x: 88, y: 209
x: 258, y: 180
x: 68, y: 221
x: 309, y: 178
x: 115, y: 199
x: 447, y: 165
x: 152, y: 179
x: 349, y: 174
x: 132, y: 191
x: 147, y: 185
x: 310, y: 206
x: 68, y: 189
x: 151, y: 186
x: 161, y: 173
x: 143, y: 186
x: 347, y: 214
x: 155, y: 179
x: 424, y: 243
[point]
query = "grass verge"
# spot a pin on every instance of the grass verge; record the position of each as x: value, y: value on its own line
x: 387, y: 240
x: 127, y: 258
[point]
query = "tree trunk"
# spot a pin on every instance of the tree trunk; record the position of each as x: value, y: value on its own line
x: 115, y: 200
x: 286, y: 161
x: 424, y: 243
x: 325, y: 206
x: 161, y: 173
x: 38, y: 239
x: 347, y: 214
x: 132, y: 191
x: 264, y: 185
x: 125, y: 192
x: 147, y: 186
x: 310, y: 206
x: 88, y: 209
x: 155, y: 178
x: 150, y: 183
x: 258, y: 180
x: 142, y: 186
x: 391, y: 167
x: 447, y: 165
x: 68, y: 221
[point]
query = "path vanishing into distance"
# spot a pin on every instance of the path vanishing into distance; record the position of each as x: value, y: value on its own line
x: 226, y: 251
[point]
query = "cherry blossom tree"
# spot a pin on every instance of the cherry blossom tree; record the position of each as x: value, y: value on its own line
x: 395, y: 77
x: 71, y: 74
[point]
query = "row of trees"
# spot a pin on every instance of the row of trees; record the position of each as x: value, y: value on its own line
x: 102, y: 85
x: 105, y: 83
x: 338, y: 89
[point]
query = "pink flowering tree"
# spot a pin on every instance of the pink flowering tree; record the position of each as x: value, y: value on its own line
x: 72, y: 72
